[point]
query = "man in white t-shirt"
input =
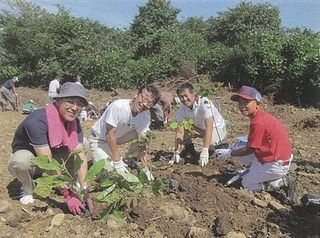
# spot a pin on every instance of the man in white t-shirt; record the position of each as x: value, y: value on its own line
x: 207, y: 121
x: 54, y: 88
x: 123, y: 121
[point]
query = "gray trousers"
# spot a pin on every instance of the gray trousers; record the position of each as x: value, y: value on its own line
x: 100, y: 148
x: 20, y: 165
x: 6, y: 96
x: 157, y: 114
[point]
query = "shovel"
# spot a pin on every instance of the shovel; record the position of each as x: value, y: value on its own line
x: 16, y: 102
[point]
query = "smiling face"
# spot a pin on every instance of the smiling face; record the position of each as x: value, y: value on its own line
x: 248, y: 107
x: 70, y: 108
x: 187, y: 98
x: 143, y: 101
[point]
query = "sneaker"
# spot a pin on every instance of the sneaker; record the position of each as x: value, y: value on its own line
x: 25, y: 198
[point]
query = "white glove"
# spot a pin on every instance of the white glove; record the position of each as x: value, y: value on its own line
x: 175, y: 158
x: 120, y: 166
x: 16, y: 94
x: 223, y: 153
x: 204, y: 157
x: 147, y: 171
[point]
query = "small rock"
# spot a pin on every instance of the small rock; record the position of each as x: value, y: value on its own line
x: 278, y: 207
x: 57, y: 220
x: 241, y: 207
x: 234, y: 234
x: 173, y: 196
x: 196, y: 232
x: 5, y: 206
x: 50, y: 212
x: 3, y: 219
x: 259, y: 203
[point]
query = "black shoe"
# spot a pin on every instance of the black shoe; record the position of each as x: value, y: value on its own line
x: 132, y: 163
x: 231, y: 172
x: 152, y: 127
x: 162, y: 128
x: 290, y: 191
x: 188, y: 149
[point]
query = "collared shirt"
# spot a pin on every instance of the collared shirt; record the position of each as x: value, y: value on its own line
x: 269, y: 138
x: 202, y: 110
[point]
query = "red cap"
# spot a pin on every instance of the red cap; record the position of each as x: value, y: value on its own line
x: 247, y: 92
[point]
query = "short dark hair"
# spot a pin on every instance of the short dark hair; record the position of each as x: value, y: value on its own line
x: 184, y: 86
x: 153, y: 89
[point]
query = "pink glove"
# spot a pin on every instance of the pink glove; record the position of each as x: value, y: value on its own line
x: 73, y: 202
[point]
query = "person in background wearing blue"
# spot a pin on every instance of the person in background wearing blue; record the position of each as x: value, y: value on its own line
x: 6, y: 94
x: 54, y: 132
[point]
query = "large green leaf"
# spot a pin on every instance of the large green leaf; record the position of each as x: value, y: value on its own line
x: 95, y: 169
x: 77, y: 163
x: 53, y: 180
x: 42, y: 190
x: 106, y: 192
x: 131, y: 178
x: 43, y: 162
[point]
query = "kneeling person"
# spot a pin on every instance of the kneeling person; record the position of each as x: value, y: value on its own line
x: 123, y: 121
x: 53, y: 131
x: 268, y: 152
x: 207, y: 121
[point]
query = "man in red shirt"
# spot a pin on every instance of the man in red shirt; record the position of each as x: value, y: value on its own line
x: 268, y: 151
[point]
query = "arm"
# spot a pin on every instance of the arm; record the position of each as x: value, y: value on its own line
x: 242, y: 152
x: 14, y: 89
x: 111, y: 140
x: 227, y: 153
x: 179, y: 138
x: 83, y: 169
x: 204, y: 155
x: 143, y: 155
x: 208, y: 133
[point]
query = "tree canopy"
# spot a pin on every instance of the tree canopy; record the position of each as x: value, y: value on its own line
x: 244, y: 45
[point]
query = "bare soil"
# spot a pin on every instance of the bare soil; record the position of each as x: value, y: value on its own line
x: 195, y: 202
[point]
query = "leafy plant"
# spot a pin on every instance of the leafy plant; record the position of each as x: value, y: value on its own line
x: 186, y: 124
x: 120, y: 192
x: 146, y: 139
x: 45, y: 184
x: 119, y: 188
